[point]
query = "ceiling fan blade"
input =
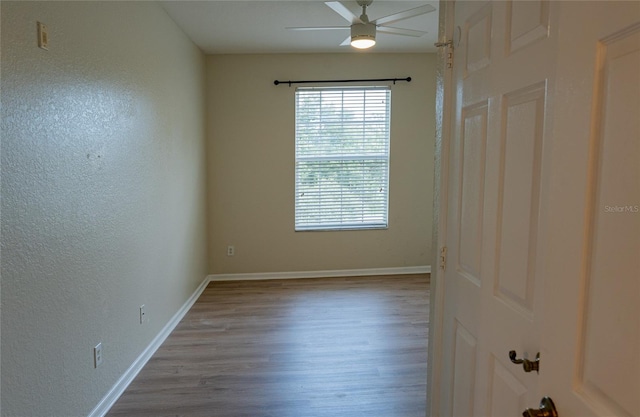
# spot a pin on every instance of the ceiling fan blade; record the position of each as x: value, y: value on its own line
x: 399, y: 31
x: 320, y: 28
x: 343, y: 11
x: 404, y: 15
x: 346, y: 42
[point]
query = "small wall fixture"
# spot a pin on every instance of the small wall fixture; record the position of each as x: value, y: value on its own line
x: 363, y: 36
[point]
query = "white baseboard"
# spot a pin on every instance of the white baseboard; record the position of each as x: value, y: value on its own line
x: 323, y: 274
x: 116, y: 391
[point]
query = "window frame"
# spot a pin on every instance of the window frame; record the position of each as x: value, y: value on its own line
x: 381, y: 209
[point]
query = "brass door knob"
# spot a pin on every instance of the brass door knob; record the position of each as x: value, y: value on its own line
x: 547, y: 409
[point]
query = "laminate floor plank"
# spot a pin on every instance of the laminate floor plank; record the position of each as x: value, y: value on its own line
x: 334, y: 347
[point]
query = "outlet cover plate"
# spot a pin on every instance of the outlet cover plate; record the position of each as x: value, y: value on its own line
x: 142, y: 313
x: 97, y: 355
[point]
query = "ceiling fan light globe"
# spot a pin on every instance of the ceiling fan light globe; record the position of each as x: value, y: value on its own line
x: 363, y: 35
x: 362, y: 42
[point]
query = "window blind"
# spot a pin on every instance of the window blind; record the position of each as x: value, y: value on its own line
x: 342, y: 158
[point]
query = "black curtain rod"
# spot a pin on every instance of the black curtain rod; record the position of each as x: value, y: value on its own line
x: 276, y: 82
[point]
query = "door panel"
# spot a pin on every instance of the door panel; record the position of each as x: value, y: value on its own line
x: 527, y: 22
x: 473, y: 145
x: 593, y: 285
x: 611, y: 305
x: 522, y: 127
x: 464, y: 370
x: 477, y: 40
x: 508, y: 395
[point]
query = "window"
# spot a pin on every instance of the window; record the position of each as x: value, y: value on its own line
x: 342, y: 158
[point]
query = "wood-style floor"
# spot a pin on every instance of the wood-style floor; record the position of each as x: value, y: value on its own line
x: 335, y: 347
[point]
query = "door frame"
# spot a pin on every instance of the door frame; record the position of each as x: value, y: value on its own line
x: 444, y: 87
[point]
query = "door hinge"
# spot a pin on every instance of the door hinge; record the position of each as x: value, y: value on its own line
x: 443, y: 258
x: 449, y: 53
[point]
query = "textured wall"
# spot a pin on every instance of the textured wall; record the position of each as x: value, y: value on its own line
x: 251, y: 175
x: 103, y: 194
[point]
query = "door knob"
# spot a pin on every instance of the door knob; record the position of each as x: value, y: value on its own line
x: 527, y: 365
x: 547, y: 409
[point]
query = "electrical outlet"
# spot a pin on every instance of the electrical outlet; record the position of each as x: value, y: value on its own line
x: 97, y: 355
x: 142, y: 313
x: 231, y: 250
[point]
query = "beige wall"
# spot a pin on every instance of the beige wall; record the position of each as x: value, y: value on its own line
x: 103, y: 191
x: 251, y: 164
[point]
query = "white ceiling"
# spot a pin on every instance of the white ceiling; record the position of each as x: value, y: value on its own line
x: 239, y: 26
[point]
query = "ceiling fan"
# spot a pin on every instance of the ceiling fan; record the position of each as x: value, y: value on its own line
x: 363, y: 31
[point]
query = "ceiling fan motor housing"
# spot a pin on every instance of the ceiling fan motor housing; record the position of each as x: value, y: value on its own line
x: 363, y: 31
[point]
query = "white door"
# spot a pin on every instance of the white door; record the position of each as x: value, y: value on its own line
x: 591, y: 335
x: 543, y: 226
